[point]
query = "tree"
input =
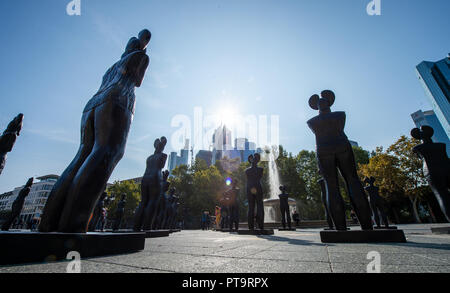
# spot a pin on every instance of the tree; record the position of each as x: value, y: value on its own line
x: 412, y: 177
x: 133, y: 197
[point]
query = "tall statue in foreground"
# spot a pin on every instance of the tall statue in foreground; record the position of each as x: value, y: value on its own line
x: 18, y: 205
x: 436, y: 166
x: 105, y: 124
x: 334, y: 153
x: 8, y: 139
x: 255, y: 193
x: 151, y: 188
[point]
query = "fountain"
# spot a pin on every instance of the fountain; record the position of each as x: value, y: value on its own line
x: 272, y: 213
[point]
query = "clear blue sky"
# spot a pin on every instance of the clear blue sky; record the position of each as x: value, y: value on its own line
x: 261, y: 56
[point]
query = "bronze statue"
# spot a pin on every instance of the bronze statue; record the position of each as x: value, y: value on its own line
x: 151, y: 187
x: 168, y: 215
x: 284, y: 207
x: 18, y: 205
x: 377, y: 203
x: 232, y: 196
x: 96, y: 215
x: 105, y: 125
x: 255, y: 193
x: 162, y: 204
x: 8, y: 139
x: 436, y: 166
x: 334, y: 153
x: 119, y: 212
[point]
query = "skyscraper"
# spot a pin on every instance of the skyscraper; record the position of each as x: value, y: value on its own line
x: 175, y: 160
x: 435, y: 78
x: 429, y: 118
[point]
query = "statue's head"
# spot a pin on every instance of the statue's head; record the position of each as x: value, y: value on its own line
x: 283, y: 188
x: 144, y: 37
x: 165, y: 175
x: 16, y: 124
x: 29, y: 182
x: 254, y: 159
x: 323, y: 103
x: 160, y: 144
x: 369, y: 180
x: 424, y: 133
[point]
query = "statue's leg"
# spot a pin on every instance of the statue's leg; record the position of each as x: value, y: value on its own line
x: 375, y: 213
x: 440, y: 188
x: 334, y: 201
x: 150, y: 211
x: 260, y: 211
x: 57, y: 198
x: 288, y: 215
x: 347, y: 166
x: 112, y: 123
x: 251, y: 211
x: 283, y: 216
x: 139, y: 215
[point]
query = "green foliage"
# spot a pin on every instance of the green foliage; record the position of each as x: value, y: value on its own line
x: 133, y: 197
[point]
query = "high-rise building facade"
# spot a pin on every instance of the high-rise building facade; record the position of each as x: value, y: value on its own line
x: 183, y: 159
x: 435, y: 78
x: 429, y: 118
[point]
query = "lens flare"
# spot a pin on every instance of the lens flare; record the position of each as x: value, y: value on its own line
x: 228, y: 181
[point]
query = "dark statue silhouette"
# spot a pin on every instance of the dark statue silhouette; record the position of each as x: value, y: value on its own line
x: 119, y: 212
x: 169, y: 214
x: 284, y: 207
x: 162, y: 204
x: 377, y: 203
x: 254, y: 193
x: 232, y: 196
x: 334, y: 153
x: 18, y: 205
x: 225, y: 202
x: 323, y: 190
x: 436, y: 166
x: 8, y: 139
x: 173, y: 201
x: 151, y: 188
x: 96, y: 215
x: 105, y: 125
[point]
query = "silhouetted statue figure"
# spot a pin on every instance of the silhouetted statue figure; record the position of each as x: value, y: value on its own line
x: 97, y: 212
x: 225, y: 202
x: 436, y: 166
x: 169, y: 211
x: 174, y: 212
x: 377, y: 203
x: 284, y: 207
x: 151, y: 187
x: 323, y: 190
x: 8, y: 139
x: 335, y: 152
x: 105, y: 125
x: 162, y: 205
x: 254, y: 192
x: 18, y: 205
x: 233, y: 205
x: 119, y: 212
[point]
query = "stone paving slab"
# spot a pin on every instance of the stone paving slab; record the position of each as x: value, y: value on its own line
x: 285, y: 252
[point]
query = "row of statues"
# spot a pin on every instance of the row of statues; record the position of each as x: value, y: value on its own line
x: 229, y: 210
x: 157, y: 209
x: 105, y: 124
x: 334, y: 153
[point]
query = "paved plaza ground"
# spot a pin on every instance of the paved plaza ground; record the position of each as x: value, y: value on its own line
x: 285, y: 252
